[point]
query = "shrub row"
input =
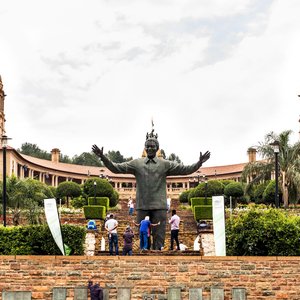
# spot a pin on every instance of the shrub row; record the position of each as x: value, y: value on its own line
x: 37, y: 240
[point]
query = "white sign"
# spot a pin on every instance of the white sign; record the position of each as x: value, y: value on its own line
x: 53, y: 222
x: 219, y: 225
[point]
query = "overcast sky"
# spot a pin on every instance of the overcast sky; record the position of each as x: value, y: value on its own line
x: 214, y: 75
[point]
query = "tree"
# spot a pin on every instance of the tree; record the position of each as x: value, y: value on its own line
x: 68, y: 189
x: 288, y: 160
x: 174, y: 157
x: 117, y: 157
x: 87, y: 159
x: 34, y: 150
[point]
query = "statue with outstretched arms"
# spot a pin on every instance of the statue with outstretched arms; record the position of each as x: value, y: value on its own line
x: 151, y: 173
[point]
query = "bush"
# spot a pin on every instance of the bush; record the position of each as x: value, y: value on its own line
x: 94, y: 212
x: 78, y: 202
x: 183, y: 197
x: 102, y: 201
x: 259, y: 191
x: 269, y: 193
x: 37, y: 240
x: 201, y: 201
x: 102, y: 189
x: 202, y: 212
x: 263, y: 232
x: 209, y: 189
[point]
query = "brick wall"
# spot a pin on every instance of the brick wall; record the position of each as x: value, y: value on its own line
x: 262, y: 277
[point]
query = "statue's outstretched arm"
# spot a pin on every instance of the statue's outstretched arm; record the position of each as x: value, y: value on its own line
x: 204, y: 157
x: 98, y: 151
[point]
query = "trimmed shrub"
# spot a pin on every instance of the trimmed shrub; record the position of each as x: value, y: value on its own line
x: 94, y: 212
x: 201, y: 201
x: 78, y: 202
x: 202, y: 212
x: 102, y: 201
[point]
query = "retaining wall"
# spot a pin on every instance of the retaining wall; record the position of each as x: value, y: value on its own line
x: 152, y: 276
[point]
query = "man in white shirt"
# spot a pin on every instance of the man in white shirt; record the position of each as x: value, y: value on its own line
x: 174, y: 221
x: 111, y: 226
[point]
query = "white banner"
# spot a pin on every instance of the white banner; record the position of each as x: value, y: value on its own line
x: 53, y: 222
x: 219, y: 225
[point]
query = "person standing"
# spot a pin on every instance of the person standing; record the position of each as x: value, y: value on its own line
x: 144, y: 232
x: 111, y: 226
x: 174, y: 221
x: 168, y: 204
x: 130, y: 206
x: 128, y: 241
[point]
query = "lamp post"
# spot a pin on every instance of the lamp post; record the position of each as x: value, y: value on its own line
x: 4, y: 140
x: 95, y: 185
x: 205, y: 193
x: 275, y: 146
x: 198, y: 173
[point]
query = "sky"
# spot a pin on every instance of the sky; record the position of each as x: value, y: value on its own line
x: 212, y: 75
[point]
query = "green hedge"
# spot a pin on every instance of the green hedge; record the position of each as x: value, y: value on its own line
x: 94, y: 212
x: 201, y: 201
x: 263, y: 232
x: 102, y: 201
x: 38, y: 240
x: 202, y: 212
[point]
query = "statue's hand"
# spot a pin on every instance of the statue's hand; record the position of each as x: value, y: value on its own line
x: 204, y: 157
x: 97, y: 151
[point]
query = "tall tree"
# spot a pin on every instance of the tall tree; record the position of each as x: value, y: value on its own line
x: 174, y: 157
x: 87, y: 159
x: 34, y: 150
x: 288, y: 160
x: 117, y: 157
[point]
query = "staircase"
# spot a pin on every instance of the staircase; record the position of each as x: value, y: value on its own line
x: 187, y: 234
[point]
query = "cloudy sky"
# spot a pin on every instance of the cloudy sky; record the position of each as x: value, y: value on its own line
x: 214, y: 75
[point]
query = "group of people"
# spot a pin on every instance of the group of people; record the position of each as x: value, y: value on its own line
x: 145, y: 227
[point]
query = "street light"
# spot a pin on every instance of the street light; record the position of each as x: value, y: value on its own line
x: 205, y: 180
x: 198, y: 173
x: 4, y: 140
x: 275, y: 146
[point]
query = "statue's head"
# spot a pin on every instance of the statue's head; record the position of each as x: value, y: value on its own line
x: 151, y: 147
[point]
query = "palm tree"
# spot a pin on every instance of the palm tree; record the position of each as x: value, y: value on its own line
x: 288, y: 160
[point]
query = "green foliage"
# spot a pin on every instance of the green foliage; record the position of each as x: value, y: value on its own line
x: 19, y: 191
x: 68, y: 189
x: 211, y: 188
x: 37, y: 240
x: 263, y: 232
x: 102, y: 189
x: 269, y: 193
x: 183, y: 197
x: 259, y: 191
x: 87, y: 159
x: 201, y: 201
x: 117, y: 157
x: 94, y: 212
x: 202, y: 212
x: 34, y: 150
x: 234, y: 189
x: 114, y: 200
x: 78, y: 202
x: 174, y: 157
x: 102, y: 201
x: 226, y: 181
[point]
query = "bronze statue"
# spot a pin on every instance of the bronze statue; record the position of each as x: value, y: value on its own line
x: 150, y: 173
